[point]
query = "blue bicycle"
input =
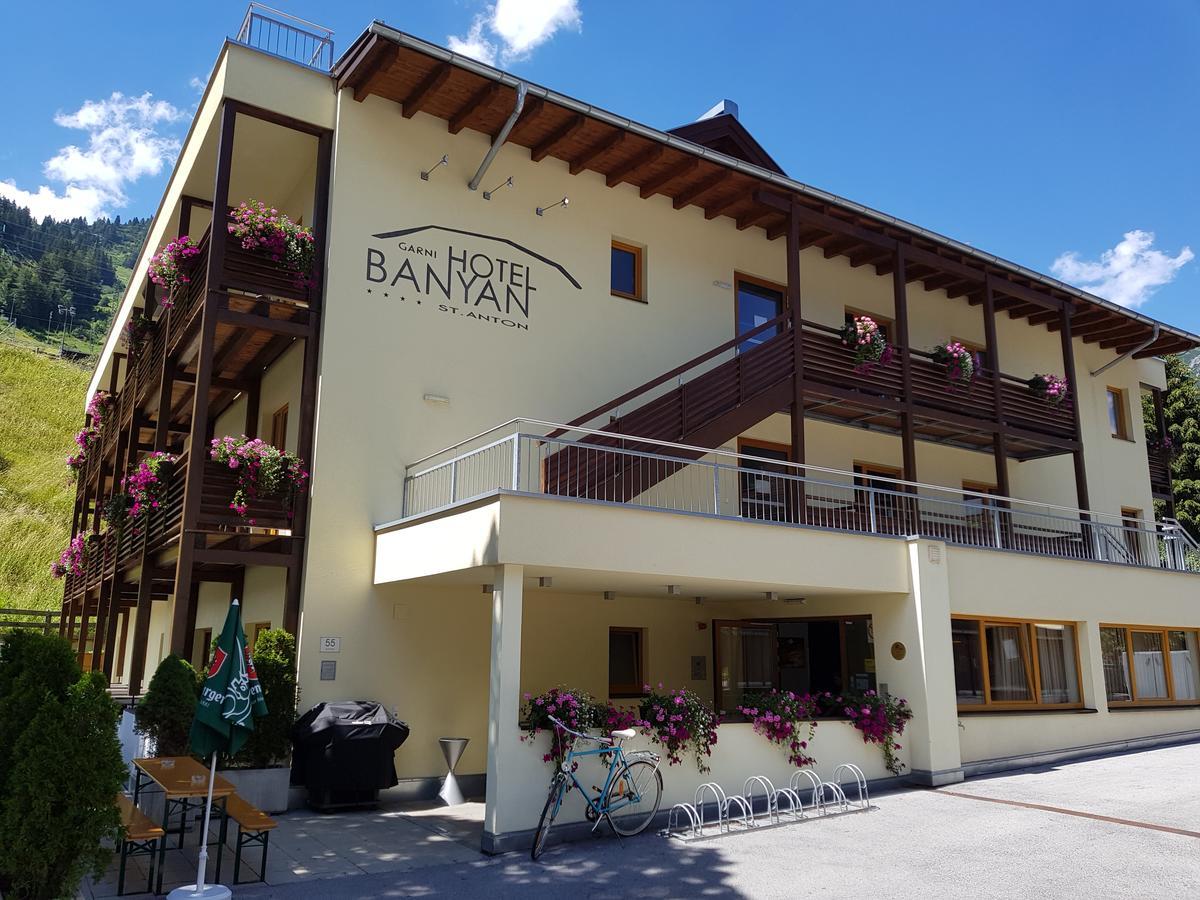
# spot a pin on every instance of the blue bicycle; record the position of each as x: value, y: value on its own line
x: 629, y: 798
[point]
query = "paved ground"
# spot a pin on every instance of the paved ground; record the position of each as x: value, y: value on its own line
x: 1121, y: 826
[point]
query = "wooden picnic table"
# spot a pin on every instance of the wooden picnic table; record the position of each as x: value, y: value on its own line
x: 182, y: 781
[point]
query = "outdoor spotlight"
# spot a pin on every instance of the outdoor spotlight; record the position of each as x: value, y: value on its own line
x: 508, y: 182
x: 541, y: 210
x: 441, y: 162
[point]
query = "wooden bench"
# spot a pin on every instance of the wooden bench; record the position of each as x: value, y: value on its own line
x: 254, y: 828
x: 140, y: 837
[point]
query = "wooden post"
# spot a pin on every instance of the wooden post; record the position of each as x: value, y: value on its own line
x: 141, y: 630
x: 1068, y: 353
x: 908, y: 442
x: 1000, y: 441
x: 1160, y: 423
x: 181, y: 638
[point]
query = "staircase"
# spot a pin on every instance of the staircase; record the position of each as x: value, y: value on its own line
x: 706, y: 411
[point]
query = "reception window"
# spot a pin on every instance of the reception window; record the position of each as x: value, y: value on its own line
x: 1150, y: 665
x: 806, y: 656
x: 1013, y: 664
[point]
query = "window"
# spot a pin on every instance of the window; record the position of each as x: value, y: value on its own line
x: 1150, y: 665
x: 253, y: 630
x: 625, y: 662
x: 1010, y: 664
x: 627, y: 275
x: 979, y: 487
x: 758, y: 302
x: 764, y: 492
x: 879, y: 478
x: 1118, y: 413
x: 202, y: 654
x: 799, y: 655
x: 979, y: 351
x: 1131, y: 524
x: 886, y: 326
x: 279, y: 428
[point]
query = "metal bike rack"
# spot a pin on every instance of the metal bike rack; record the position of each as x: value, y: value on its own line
x: 722, y: 801
x: 795, y: 806
x: 864, y: 795
x: 768, y: 790
x: 813, y: 782
x: 694, y: 826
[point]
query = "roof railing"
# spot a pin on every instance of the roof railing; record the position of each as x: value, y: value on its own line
x: 286, y: 36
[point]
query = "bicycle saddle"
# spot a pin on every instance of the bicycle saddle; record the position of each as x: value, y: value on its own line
x: 623, y: 735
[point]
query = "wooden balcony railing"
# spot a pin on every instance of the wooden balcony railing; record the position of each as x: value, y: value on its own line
x: 1160, y: 471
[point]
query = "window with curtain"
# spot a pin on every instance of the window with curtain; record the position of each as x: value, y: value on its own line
x: 1150, y: 666
x: 1011, y: 664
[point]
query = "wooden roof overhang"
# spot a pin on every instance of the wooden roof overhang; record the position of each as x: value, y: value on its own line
x: 423, y: 77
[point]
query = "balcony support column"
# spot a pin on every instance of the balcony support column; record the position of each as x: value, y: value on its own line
x: 900, y: 294
x: 1068, y: 354
x: 181, y: 637
x: 1160, y: 423
x: 793, y: 302
x: 1000, y: 439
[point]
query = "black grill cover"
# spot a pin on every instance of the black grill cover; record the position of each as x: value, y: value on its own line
x: 346, y: 745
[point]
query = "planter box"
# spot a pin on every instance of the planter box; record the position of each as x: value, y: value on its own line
x: 265, y: 788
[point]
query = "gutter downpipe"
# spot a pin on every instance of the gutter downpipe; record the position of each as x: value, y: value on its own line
x: 501, y: 137
x: 1128, y: 353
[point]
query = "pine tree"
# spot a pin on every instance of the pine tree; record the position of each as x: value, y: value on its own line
x: 1181, y: 410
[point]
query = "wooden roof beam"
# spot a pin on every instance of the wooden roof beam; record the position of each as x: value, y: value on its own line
x: 869, y: 255
x: 719, y: 207
x: 438, y: 76
x: 1164, y: 347
x: 1133, y: 335
x: 380, y: 63
x: 626, y: 170
x: 840, y: 246
x: 479, y: 99
x: 1041, y: 318
x: 1100, y: 327
x: 657, y: 183
x: 755, y: 216
x: 568, y: 129
x: 1021, y: 310
x: 689, y: 195
x: 534, y: 107
x: 597, y: 150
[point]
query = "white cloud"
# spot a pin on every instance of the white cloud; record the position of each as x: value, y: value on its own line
x: 197, y: 84
x: 123, y: 145
x: 510, y: 30
x: 1126, y: 274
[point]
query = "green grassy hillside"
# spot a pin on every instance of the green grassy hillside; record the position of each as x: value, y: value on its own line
x: 41, y: 408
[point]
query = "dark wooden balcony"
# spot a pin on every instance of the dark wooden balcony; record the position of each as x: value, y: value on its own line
x: 1160, y: 473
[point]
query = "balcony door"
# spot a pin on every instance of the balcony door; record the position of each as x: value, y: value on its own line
x: 757, y: 302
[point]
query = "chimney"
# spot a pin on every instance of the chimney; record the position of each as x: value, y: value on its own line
x: 723, y: 108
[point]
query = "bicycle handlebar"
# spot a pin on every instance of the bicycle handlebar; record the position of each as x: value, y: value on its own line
x: 579, y: 734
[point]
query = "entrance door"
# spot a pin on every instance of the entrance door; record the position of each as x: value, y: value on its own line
x: 757, y: 302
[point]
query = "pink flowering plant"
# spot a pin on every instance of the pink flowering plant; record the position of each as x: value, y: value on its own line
x: 170, y: 268
x: 144, y: 486
x: 85, y: 439
x: 74, y: 558
x: 137, y: 333
x: 576, y: 709
x: 263, y: 471
x: 264, y: 229
x: 959, y: 363
x: 1051, y: 388
x: 865, y: 338
x: 786, y: 719
x: 682, y: 723
x: 880, y: 718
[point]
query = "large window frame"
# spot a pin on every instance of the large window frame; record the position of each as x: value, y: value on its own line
x: 1030, y: 661
x: 618, y: 690
x: 1163, y: 632
x: 763, y: 284
x: 1116, y: 402
x: 639, y: 271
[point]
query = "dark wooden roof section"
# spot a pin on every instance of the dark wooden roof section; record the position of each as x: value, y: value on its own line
x: 467, y: 98
x: 725, y: 134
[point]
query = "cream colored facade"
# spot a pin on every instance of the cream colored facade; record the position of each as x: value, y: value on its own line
x: 402, y: 374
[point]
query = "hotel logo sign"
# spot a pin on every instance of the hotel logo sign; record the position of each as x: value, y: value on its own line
x: 464, y: 274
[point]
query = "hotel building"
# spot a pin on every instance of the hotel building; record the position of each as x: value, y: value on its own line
x: 577, y: 410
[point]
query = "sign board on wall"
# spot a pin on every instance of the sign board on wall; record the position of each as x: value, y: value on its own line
x: 464, y: 274
x: 331, y: 645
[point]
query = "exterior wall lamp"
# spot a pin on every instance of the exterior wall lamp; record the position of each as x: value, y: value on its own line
x: 441, y: 162
x: 508, y: 182
x: 541, y: 210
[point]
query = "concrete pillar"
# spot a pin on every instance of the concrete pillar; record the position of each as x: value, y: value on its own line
x: 504, y: 702
x: 925, y: 676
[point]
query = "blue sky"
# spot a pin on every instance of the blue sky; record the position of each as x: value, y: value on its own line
x: 1058, y: 128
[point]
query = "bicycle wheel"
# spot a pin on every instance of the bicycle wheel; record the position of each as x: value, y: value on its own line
x: 549, y: 811
x: 633, y: 797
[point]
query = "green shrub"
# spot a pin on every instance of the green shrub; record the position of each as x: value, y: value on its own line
x: 32, y: 667
x: 275, y: 662
x: 165, y: 712
x: 60, y: 801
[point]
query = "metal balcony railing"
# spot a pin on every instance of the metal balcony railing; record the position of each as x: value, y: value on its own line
x: 287, y: 37
x: 532, y: 457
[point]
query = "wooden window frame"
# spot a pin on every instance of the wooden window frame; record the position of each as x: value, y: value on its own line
x: 625, y: 692
x: 639, y: 271
x: 888, y: 324
x: 1150, y: 702
x: 1123, y: 428
x: 1032, y: 666
x: 740, y: 277
x: 279, y: 414
x: 756, y: 444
